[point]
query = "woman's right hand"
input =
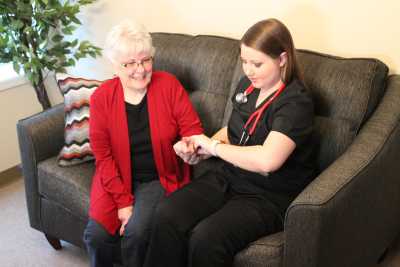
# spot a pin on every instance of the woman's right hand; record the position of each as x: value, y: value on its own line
x: 123, y: 215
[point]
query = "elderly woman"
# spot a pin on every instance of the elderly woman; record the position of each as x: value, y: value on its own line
x: 135, y: 118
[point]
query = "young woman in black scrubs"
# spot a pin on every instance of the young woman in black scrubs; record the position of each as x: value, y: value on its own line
x: 267, y: 150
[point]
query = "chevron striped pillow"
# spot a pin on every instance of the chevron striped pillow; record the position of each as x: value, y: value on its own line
x: 76, y: 92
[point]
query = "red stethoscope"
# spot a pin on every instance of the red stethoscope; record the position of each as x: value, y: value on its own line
x: 241, y: 98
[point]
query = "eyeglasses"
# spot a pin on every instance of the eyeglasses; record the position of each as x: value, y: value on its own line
x: 133, y: 65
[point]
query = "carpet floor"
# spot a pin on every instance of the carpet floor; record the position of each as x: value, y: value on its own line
x: 23, y: 246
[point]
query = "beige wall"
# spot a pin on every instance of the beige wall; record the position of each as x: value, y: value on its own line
x: 17, y: 103
x: 358, y: 28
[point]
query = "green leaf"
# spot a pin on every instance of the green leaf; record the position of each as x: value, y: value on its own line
x: 78, y: 55
x: 85, y: 2
x: 83, y: 45
x: 29, y: 76
x: 43, y: 44
x: 74, y: 10
x: 75, y: 20
x: 74, y: 43
x: 27, y: 65
x: 24, y: 9
x: 17, y: 24
x: 16, y: 66
x: 71, y: 62
x: 66, y: 30
x: 22, y: 48
x: 36, y: 63
x: 64, y: 44
x: 57, y: 38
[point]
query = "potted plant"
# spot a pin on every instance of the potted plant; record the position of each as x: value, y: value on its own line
x: 32, y: 37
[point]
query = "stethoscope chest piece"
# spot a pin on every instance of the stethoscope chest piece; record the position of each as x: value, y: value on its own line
x: 241, y: 98
x: 255, y: 117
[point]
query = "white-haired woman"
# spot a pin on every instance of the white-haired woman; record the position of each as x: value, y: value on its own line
x: 134, y: 120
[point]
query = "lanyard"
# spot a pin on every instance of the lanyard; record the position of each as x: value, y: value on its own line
x: 255, y: 117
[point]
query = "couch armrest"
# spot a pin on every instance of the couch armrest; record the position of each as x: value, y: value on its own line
x: 40, y: 136
x: 350, y: 213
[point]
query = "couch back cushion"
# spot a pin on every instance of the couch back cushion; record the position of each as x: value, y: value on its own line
x: 346, y: 91
x: 205, y: 66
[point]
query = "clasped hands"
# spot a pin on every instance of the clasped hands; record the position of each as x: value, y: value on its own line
x: 193, y: 149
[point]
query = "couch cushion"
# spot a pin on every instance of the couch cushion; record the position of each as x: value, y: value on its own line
x: 205, y: 66
x: 264, y: 252
x: 345, y: 92
x: 76, y: 92
x: 69, y: 187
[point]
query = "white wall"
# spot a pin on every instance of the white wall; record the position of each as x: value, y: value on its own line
x: 358, y: 28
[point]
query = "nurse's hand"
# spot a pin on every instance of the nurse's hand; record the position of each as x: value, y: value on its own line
x: 203, y: 145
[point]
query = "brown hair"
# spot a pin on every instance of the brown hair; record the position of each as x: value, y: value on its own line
x: 273, y: 38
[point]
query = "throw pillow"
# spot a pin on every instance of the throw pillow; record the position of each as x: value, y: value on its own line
x: 76, y: 92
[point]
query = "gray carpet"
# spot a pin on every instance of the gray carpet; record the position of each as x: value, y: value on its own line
x: 22, y: 246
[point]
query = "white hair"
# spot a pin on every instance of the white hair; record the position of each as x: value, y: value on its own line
x: 126, y: 37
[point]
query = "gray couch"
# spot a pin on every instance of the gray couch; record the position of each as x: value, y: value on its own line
x: 348, y: 216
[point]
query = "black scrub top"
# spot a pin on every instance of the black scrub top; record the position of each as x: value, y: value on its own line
x: 292, y: 114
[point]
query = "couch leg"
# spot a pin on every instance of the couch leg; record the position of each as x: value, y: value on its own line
x: 54, y: 242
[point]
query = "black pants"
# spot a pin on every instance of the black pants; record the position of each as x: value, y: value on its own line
x: 104, y: 248
x: 205, y: 224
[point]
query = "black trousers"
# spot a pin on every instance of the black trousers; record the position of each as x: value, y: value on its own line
x: 104, y: 249
x: 205, y: 224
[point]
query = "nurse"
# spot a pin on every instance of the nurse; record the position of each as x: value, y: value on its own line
x: 267, y: 149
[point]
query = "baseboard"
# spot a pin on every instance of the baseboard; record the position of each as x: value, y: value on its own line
x: 10, y: 174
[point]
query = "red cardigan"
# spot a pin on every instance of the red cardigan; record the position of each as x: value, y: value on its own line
x: 171, y: 116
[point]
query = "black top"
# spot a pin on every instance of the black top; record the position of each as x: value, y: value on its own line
x: 142, y: 161
x: 292, y: 114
